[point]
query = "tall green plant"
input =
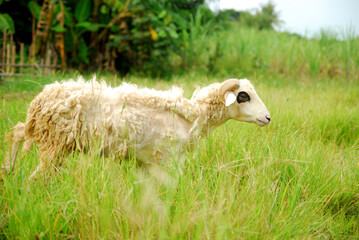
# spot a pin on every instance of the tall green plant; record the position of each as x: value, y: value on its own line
x: 194, y: 40
x: 6, y: 23
x: 246, y: 51
x: 350, y: 50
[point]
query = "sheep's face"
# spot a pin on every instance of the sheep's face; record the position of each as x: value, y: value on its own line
x: 244, y: 104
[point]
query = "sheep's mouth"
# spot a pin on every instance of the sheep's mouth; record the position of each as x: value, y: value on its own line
x: 261, y: 123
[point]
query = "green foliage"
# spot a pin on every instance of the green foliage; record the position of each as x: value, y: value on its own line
x: 141, y: 34
x: 83, y: 10
x: 83, y: 51
x: 91, y: 27
x: 229, y: 15
x: 6, y: 23
x: 265, y: 18
x: 194, y: 41
x: 34, y: 8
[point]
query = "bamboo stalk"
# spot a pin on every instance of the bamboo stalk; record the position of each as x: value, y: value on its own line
x: 29, y: 54
x: 4, y: 46
x: 47, y: 62
x: 30, y: 59
x: 8, y: 48
x: 11, y: 52
x: 54, y: 63
x: 42, y: 69
x: 21, y: 57
x: 107, y: 58
x: 60, y: 37
x: 13, y: 55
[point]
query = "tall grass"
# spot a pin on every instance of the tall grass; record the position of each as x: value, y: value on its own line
x: 247, y: 50
x: 296, y: 178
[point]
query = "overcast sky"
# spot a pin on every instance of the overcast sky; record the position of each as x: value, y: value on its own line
x: 305, y: 16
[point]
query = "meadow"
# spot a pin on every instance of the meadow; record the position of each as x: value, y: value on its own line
x: 244, y: 51
x: 296, y: 178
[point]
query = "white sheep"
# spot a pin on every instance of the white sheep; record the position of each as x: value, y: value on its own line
x: 128, y: 120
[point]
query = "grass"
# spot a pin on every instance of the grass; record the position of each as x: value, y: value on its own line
x: 296, y: 178
x: 242, y: 51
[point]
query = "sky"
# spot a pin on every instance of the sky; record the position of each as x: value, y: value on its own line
x: 305, y: 17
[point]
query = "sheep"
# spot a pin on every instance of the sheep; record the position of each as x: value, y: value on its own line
x: 127, y: 120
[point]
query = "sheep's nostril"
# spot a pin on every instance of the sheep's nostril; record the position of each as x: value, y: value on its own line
x: 268, y: 118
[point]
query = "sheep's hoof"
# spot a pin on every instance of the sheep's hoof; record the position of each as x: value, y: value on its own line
x: 33, y: 177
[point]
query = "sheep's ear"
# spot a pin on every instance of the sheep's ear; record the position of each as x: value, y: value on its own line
x: 230, y: 98
x: 227, y: 86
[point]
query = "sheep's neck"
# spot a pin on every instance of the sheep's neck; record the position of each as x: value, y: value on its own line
x: 205, y: 117
x: 209, y: 117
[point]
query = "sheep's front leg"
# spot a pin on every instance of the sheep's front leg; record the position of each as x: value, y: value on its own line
x: 46, y: 160
x: 15, y: 138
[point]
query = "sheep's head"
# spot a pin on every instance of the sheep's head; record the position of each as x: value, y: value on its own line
x: 242, y: 102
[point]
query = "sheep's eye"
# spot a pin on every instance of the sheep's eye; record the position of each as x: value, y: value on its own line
x: 243, y: 97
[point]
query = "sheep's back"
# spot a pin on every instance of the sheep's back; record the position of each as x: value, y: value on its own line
x: 74, y: 113
x: 55, y: 116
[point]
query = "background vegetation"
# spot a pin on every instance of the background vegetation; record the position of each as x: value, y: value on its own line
x: 163, y: 38
x: 297, y: 178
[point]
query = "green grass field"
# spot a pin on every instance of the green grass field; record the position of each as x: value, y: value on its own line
x: 297, y: 178
x: 242, y: 51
